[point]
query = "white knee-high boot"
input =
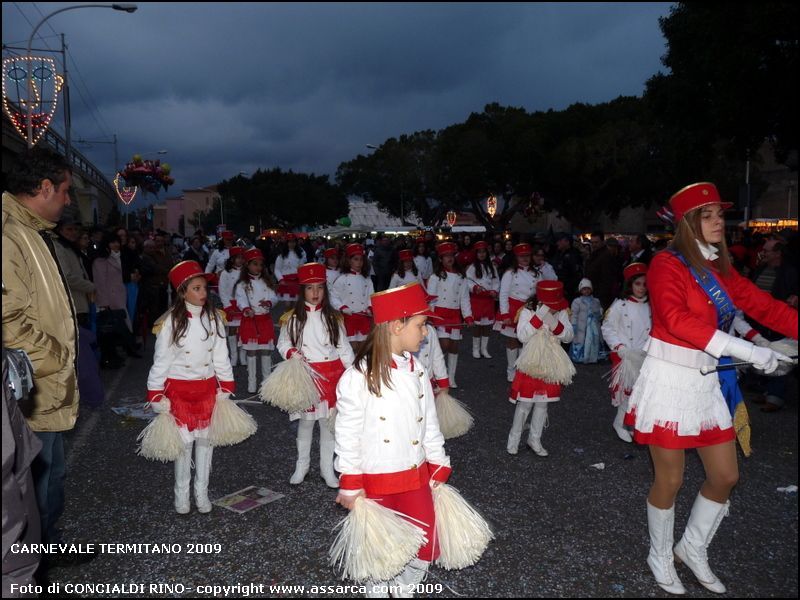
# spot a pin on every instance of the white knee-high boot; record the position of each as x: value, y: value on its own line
x: 252, y: 376
x: 619, y: 426
x: 476, y: 347
x: 305, y: 431
x: 405, y: 584
x: 661, y: 525
x: 452, y: 361
x: 233, y: 350
x: 183, y: 477
x: 703, y: 523
x: 266, y: 364
x: 242, y: 355
x: 537, y: 426
x: 203, y: 452
x: 511, y: 356
x: 485, y: 347
x: 520, y: 416
x: 326, y: 445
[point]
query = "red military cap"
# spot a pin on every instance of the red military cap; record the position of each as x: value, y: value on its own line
x: 354, y: 249
x: 480, y: 246
x: 253, y: 254
x: 446, y: 248
x: 227, y: 235
x: 184, y: 271
x: 235, y: 251
x: 551, y: 293
x: 330, y: 252
x: 398, y: 303
x: 312, y: 272
x: 523, y: 249
x: 634, y: 270
x: 405, y: 255
x: 694, y: 196
x: 290, y: 237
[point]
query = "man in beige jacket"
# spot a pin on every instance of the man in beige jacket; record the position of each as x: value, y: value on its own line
x: 39, y: 317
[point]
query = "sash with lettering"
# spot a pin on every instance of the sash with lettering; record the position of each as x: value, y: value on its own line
x: 726, y: 311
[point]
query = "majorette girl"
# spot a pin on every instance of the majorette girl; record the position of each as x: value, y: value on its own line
x: 484, y: 287
x: 315, y: 330
x: 516, y: 286
x: 422, y: 260
x: 694, y: 294
x: 189, y: 365
x: 227, y: 281
x: 450, y: 290
x: 286, y: 264
x: 407, y: 271
x: 255, y: 296
x: 331, y: 265
x: 351, y: 292
x: 626, y: 329
x: 544, y: 314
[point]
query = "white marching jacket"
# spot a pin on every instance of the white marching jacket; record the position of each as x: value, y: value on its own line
x: 627, y: 323
x: 352, y: 290
x: 521, y: 285
x: 288, y: 266
x: 431, y: 357
x: 486, y: 281
x: 331, y: 275
x: 217, y: 261
x: 316, y: 346
x: 200, y: 354
x: 451, y: 292
x: 382, y: 440
x: 408, y: 277
x: 250, y: 298
x: 227, y: 281
x: 424, y: 266
x: 529, y: 323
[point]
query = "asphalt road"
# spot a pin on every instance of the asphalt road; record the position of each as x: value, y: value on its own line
x: 563, y: 527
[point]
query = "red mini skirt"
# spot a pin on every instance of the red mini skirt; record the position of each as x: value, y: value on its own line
x: 258, y: 329
x: 357, y: 324
x: 289, y: 285
x: 192, y: 401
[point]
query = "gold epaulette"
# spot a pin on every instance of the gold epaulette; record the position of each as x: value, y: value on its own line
x: 159, y: 322
x: 519, y: 310
x: 285, y: 317
x: 222, y: 315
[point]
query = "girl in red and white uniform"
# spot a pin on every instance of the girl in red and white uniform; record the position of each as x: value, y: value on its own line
x: 388, y: 444
x: 450, y: 290
x: 286, y: 265
x: 216, y: 263
x: 331, y: 266
x: 227, y: 281
x: 190, y: 364
x: 315, y: 331
x: 693, y: 291
x: 626, y: 328
x: 422, y: 260
x: 484, y: 287
x: 407, y: 271
x: 547, y: 311
x: 351, y: 292
x: 516, y: 286
x: 255, y: 297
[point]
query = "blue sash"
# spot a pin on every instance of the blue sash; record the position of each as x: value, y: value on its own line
x: 726, y: 311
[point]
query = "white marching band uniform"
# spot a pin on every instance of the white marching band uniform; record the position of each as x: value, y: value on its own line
x: 350, y: 294
x: 431, y: 357
x: 408, y: 277
x: 331, y: 275
x: 217, y: 261
x: 287, y: 267
x: 451, y: 303
x: 424, y: 266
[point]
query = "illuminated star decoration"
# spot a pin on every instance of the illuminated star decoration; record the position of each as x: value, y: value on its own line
x: 46, y: 84
x: 125, y: 193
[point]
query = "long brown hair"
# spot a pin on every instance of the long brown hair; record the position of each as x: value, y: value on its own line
x: 180, y: 316
x: 687, y: 233
x: 374, y: 359
x: 297, y: 322
x: 441, y: 272
x: 344, y: 266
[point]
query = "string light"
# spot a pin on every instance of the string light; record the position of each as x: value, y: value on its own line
x: 15, y: 74
x: 125, y: 193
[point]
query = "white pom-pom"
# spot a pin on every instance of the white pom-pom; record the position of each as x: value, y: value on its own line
x: 462, y: 532
x: 291, y: 386
x: 374, y: 543
x: 229, y: 423
x: 786, y: 346
x: 542, y: 357
x: 160, y: 440
x: 626, y: 372
x: 454, y: 418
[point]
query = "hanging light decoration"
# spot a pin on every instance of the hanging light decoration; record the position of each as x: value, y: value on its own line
x: 125, y: 193
x: 451, y: 217
x: 46, y: 84
x: 491, y: 205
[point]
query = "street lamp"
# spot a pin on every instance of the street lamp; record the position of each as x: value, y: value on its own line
x: 129, y: 8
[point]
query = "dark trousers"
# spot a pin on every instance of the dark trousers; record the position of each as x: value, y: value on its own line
x: 49, y: 470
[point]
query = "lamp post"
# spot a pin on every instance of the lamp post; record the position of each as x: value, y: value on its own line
x: 129, y: 8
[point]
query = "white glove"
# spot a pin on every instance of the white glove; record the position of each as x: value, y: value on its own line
x: 162, y: 406
x: 542, y: 311
x: 760, y: 340
x: 621, y: 350
x: 763, y: 359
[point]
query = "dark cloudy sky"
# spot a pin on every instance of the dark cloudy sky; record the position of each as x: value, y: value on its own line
x: 229, y: 87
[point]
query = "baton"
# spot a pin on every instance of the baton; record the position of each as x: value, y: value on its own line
x: 706, y: 369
